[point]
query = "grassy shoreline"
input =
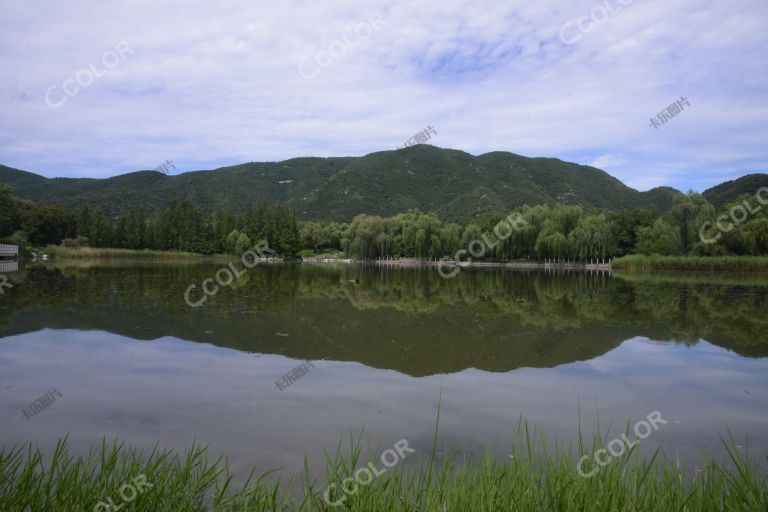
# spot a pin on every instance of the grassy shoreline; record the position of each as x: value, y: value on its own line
x: 58, y: 252
x: 535, y: 477
x: 631, y: 263
x: 638, y: 263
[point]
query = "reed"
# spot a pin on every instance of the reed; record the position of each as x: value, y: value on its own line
x: 638, y: 263
x: 58, y: 252
x: 536, y: 476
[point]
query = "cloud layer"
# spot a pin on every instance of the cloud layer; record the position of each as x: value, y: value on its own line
x: 208, y: 84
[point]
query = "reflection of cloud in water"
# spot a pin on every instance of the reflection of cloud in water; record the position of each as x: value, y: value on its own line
x: 128, y: 419
x: 575, y: 341
x: 173, y: 392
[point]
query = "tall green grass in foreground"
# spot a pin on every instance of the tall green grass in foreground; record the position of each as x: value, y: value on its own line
x: 535, y: 477
x: 638, y: 263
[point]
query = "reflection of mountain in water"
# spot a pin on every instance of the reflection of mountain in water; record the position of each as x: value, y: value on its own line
x: 409, y: 320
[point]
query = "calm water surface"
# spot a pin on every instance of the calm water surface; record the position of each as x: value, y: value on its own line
x: 133, y: 361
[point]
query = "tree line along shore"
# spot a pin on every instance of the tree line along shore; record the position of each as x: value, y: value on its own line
x: 692, y: 237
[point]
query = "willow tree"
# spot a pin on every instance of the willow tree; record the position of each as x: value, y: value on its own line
x: 368, y: 236
x: 755, y: 234
x: 591, y: 238
x: 552, y: 244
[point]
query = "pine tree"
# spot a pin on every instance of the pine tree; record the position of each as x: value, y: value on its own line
x: 84, y: 222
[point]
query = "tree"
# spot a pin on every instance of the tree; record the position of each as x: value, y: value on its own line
x: 48, y: 225
x: 84, y: 222
x: 660, y: 238
x: 366, y: 236
x: 552, y: 244
x: 100, y: 234
x: 625, y: 225
x: 10, y: 218
x: 222, y: 222
x: 120, y: 235
x: 591, y: 238
x: 256, y: 221
x: 237, y: 242
x: 282, y: 230
x: 312, y: 235
x: 755, y: 234
x: 689, y: 213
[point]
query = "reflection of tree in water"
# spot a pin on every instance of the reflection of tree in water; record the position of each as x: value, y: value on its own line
x: 31, y: 289
x: 685, y: 311
x: 496, y: 320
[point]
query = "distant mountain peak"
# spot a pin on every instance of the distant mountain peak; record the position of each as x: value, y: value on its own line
x: 450, y: 183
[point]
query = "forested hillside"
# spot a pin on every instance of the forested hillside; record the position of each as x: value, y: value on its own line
x: 730, y: 190
x: 451, y: 184
x: 422, y: 202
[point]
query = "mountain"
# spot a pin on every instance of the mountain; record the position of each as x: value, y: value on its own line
x: 453, y: 184
x: 730, y: 190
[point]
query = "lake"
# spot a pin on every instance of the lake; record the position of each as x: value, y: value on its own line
x: 372, y: 348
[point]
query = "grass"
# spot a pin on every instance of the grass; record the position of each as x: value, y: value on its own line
x: 535, y: 477
x: 56, y: 251
x: 638, y: 263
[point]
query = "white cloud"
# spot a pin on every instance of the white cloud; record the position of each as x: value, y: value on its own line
x: 213, y: 84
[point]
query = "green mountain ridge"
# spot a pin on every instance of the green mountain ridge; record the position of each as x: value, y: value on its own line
x: 730, y: 190
x: 450, y: 183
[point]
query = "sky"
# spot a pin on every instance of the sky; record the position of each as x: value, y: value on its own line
x: 97, y: 89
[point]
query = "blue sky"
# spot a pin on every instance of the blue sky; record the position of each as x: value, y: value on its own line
x: 209, y: 84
